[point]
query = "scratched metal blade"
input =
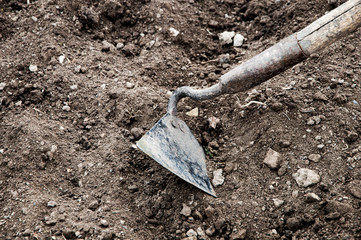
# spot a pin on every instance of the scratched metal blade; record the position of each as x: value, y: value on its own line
x: 171, y: 143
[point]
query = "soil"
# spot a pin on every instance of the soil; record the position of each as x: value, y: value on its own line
x: 81, y: 81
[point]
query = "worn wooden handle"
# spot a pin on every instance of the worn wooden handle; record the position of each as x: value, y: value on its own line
x: 278, y: 58
x: 294, y: 49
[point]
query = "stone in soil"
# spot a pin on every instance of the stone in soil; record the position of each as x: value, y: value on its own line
x: 273, y: 159
x: 355, y: 188
x: 193, y: 113
x: 320, y: 96
x: 312, y: 197
x: 218, y: 178
x: 2, y: 86
x: 226, y: 37
x: 93, y: 205
x: 335, y: 206
x: 107, y: 46
x: 104, y: 223
x: 278, y: 202
x: 306, y: 177
x: 191, y: 233
x: 210, y: 231
x: 209, y: 211
x: 294, y: 223
x: 351, y: 136
x: 314, y: 157
x: 238, y: 40
x: 186, y: 210
x: 136, y: 132
x: 52, y: 204
x: 239, y: 234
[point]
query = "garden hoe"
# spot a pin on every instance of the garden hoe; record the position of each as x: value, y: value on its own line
x: 170, y: 141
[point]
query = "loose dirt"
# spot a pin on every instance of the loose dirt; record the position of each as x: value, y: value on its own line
x: 81, y: 81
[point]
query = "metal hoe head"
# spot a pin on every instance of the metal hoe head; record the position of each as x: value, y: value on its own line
x: 171, y: 143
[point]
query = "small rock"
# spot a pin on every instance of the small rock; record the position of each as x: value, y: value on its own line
x: 272, y: 159
x: 239, y: 235
x: 35, y: 19
x: 335, y: 206
x: 74, y: 87
x: 333, y: 216
x: 77, y: 69
x: 130, y: 50
x: 104, y: 223
x: 133, y: 188
x: 52, y: 204
x: 33, y: 68
x: 136, y: 132
x: 209, y: 211
x: 93, y: 205
x: 320, y: 96
x: 27, y: 232
x: 293, y: 223
x: 2, y: 86
x: 120, y: 46
x: 107, y: 46
x: 312, y: 197
x: 320, y: 146
x: 285, y: 143
x: 191, y: 233
x: 226, y: 37
x: 210, y: 231
x: 306, y: 177
x: 173, y: 32
x: 351, y: 137
x: 277, y: 106
x: 190, y: 238
x: 51, y: 221
x: 129, y: 85
x: 355, y: 188
x: 314, y: 157
x: 238, y: 40
x: 282, y: 171
x: 200, y: 233
x: 340, y: 98
x: 193, y: 113
x: 295, y: 193
x: 278, y: 202
x: 314, y: 120
x: 186, y: 211
x: 66, y: 108
x: 213, y: 121
x: 61, y: 59
x: 218, y: 178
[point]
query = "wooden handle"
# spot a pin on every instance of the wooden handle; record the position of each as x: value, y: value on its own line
x: 294, y: 49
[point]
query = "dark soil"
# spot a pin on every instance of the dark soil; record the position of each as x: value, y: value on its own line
x: 69, y: 167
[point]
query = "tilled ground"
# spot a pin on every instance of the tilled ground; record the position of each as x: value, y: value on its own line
x: 80, y: 82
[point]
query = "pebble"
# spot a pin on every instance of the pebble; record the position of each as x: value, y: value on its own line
x: 239, y: 235
x: 77, y: 69
x: 200, y: 233
x: 2, y: 86
x: 33, y: 68
x: 120, y: 46
x: 320, y: 146
x: 133, y: 188
x: 186, y: 210
x: 173, y: 32
x: 320, y: 96
x: 314, y: 157
x: 278, y: 202
x: 238, y: 40
x: 74, y: 87
x: 210, y: 231
x: 191, y: 233
x: 272, y: 159
x: 129, y: 85
x: 35, y: 19
x: 277, y: 106
x: 218, y: 178
x: 93, y: 205
x: 66, y: 108
x: 193, y: 113
x: 61, y: 59
x: 51, y: 204
x: 293, y: 223
x: 136, y: 132
x: 130, y: 50
x: 351, y: 137
x: 282, y: 171
x: 295, y: 193
x: 226, y: 37
x: 107, y: 46
x: 213, y: 121
x: 209, y: 211
x: 104, y: 223
x: 335, y: 206
x: 306, y: 177
x: 285, y: 143
x: 314, y: 120
x: 355, y: 188
x: 312, y: 197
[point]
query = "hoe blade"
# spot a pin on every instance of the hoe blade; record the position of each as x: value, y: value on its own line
x: 171, y: 143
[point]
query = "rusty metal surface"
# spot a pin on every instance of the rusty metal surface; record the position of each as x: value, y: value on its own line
x: 171, y: 143
x: 263, y: 66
